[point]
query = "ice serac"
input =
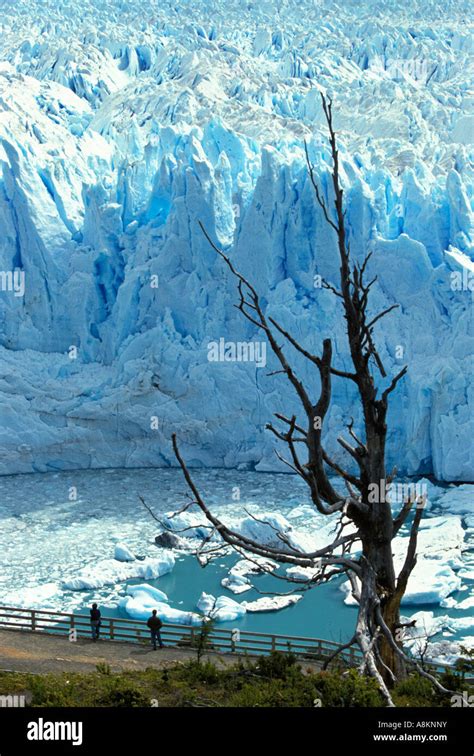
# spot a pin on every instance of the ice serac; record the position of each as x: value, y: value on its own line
x: 122, y: 127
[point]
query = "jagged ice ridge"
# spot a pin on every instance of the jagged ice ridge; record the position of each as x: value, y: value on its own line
x: 123, y: 125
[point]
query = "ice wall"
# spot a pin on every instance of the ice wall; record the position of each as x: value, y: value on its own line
x: 122, y: 126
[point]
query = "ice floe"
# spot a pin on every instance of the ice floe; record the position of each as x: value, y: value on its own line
x: 142, y: 599
x: 111, y: 571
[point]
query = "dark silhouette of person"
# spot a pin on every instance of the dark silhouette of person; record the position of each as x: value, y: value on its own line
x: 155, y: 625
x: 95, y: 622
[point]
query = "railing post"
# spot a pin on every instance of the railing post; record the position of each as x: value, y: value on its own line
x: 33, y: 620
x: 273, y: 643
x: 111, y: 629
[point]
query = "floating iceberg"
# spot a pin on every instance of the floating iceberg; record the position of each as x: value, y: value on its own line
x: 430, y: 583
x: 428, y: 625
x: 271, y: 603
x: 237, y: 580
x: 153, y: 593
x: 237, y: 584
x: 110, y: 572
x: 302, y: 573
x: 221, y: 609
x: 142, y: 599
x: 467, y: 603
x: 273, y: 529
x: 187, y: 524
x: 439, y: 538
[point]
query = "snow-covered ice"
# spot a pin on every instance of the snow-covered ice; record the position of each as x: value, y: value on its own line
x: 440, y: 556
x: 225, y: 609
x: 221, y: 609
x: 424, y: 637
x: 238, y: 579
x: 271, y: 603
x: 464, y: 502
x: 187, y: 524
x: 237, y: 584
x: 112, y: 571
x: 302, y: 573
x: 439, y: 538
x: 142, y: 599
x: 154, y: 594
x: 123, y: 554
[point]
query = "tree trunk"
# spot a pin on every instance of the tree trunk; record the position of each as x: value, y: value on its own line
x: 379, y: 574
x: 391, y: 616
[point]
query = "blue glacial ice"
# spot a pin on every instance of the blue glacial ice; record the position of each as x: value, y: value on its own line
x: 142, y: 599
x: 123, y: 125
x: 123, y: 553
x: 113, y: 571
x: 221, y: 609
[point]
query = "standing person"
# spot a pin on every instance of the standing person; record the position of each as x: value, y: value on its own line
x: 95, y: 622
x: 155, y: 625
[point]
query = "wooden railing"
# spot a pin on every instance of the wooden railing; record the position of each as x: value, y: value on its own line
x: 220, y: 640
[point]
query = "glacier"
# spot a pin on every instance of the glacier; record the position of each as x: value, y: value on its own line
x: 123, y: 125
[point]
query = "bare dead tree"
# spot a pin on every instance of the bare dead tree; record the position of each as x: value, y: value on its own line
x: 376, y: 587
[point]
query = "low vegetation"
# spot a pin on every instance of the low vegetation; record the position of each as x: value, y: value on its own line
x: 278, y: 680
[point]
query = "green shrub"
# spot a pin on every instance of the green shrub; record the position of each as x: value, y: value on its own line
x: 414, y: 691
x: 201, y: 639
x: 276, y: 680
x: 465, y: 664
x: 277, y: 665
x: 122, y: 692
x: 349, y: 689
x: 196, y: 671
x: 47, y: 690
x: 454, y: 683
x: 274, y: 693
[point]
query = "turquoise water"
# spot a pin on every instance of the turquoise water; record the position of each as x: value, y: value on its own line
x: 321, y: 613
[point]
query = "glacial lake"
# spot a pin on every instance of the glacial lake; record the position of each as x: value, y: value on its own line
x: 54, y: 524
